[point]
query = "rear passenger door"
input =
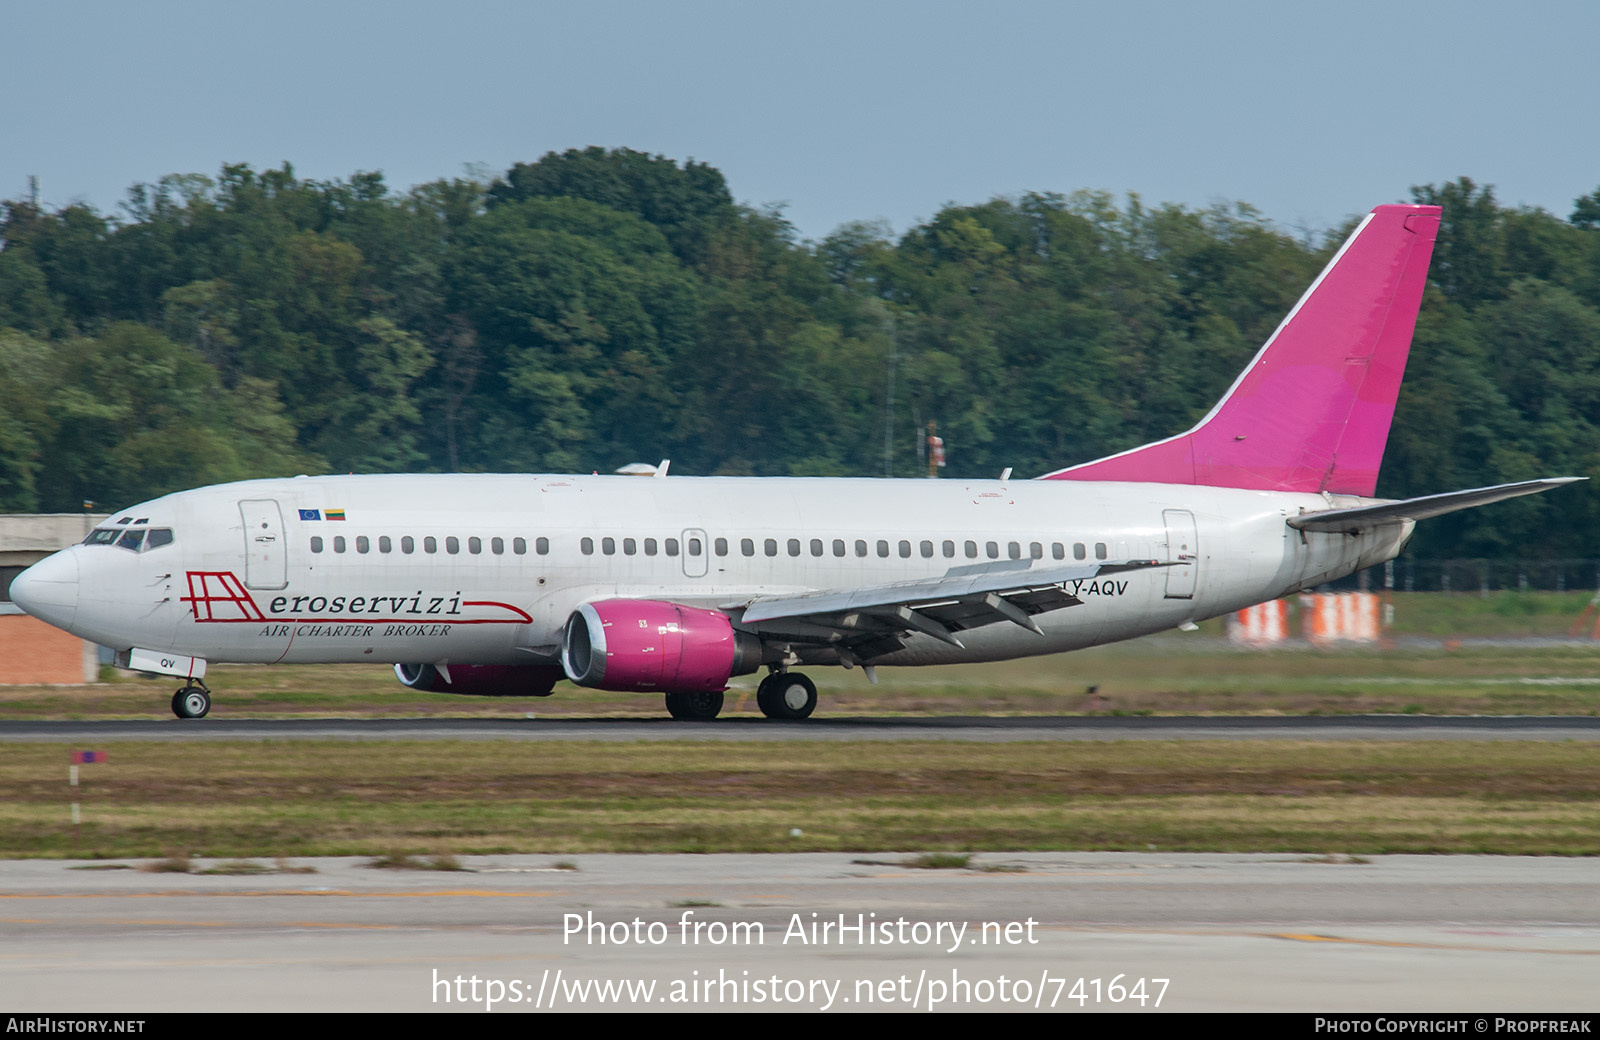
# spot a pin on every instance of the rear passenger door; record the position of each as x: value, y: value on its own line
x: 1183, y: 552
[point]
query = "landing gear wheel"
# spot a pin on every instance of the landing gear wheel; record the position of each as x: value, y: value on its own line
x: 191, y: 702
x: 695, y: 705
x: 786, y: 695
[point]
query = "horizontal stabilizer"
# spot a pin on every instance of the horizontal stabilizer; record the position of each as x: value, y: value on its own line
x: 1361, y: 518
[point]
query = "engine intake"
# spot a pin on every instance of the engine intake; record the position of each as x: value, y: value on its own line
x: 487, y: 680
x: 641, y: 644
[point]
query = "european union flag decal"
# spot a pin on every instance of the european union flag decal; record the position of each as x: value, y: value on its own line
x: 311, y: 514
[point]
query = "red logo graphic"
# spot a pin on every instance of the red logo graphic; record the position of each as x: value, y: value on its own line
x: 220, y: 596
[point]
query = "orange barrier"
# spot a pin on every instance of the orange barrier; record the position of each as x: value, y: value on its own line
x: 1264, y: 624
x: 1583, y: 619
x: 1340, y: 617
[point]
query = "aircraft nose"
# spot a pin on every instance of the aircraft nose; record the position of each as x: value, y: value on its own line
x: 49, y: 589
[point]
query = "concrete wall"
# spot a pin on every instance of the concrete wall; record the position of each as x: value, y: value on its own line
x: 27, y: 538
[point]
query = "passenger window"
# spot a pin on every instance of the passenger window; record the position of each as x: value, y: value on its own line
x: 452, y: 545
x: 1058, y: 551
x: 408, y: 545
x: 608, y: 546
x: 630, y: 547
x: 519, y: 546
x: 542, y: 545
x: 838, y: 547
x: 338, y: 543
x: 651, y: 547
x: 384, y: 544
x: 861, y: 547
x: 770, y: 546
x: 927, y: 549
x: 475, y: 545
x: 1079, y: 552
x: 587, y: 545
x: 672, y: 547
x: 131, y: 541
x: 721, y: 545
x: 794, y: 547
x: 1099, y: 550
x: 949, y: 548
x: 363, y: 544
x: 747, y: 546
x: 971, y: 548
x: 694, y: 547
x: 993, y: 549
x: 316, y: 543
x: 1014, y: 550
x: 816, y: 547
x: 158, y: 537
x: 883, y: 547
x: 1036, y: 550
x: 430, y: 544
x: 497, y: 546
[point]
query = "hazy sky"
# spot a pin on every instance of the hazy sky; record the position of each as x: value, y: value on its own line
x: 836, y: 111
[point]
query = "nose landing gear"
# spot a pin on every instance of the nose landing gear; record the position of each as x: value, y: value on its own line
x: 193, y: 701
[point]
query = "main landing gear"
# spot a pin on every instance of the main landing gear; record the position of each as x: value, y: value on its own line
x: 193, y: 701
x: 695, y: 705
x: 786, y: 695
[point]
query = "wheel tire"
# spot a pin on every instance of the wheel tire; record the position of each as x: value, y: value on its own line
x: 191, y: 702
x: 786, y: 695
x: 695, y: 705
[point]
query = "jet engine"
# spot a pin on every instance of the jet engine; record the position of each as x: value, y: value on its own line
x: 489, y: 680
x: 641, y: 644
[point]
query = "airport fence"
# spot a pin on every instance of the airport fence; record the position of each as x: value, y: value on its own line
x: 1474, y: 575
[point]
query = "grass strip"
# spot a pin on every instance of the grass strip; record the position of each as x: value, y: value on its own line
x: 1168, y: 674
x: 305, y: 798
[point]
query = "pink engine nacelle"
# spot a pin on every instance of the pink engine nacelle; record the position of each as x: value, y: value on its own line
x: 487, y: 680
x: 642, y: 644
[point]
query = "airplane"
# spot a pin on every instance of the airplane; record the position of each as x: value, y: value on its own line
x: 506, y: 584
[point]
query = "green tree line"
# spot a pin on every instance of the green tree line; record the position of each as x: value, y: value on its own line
x: 599, y: 307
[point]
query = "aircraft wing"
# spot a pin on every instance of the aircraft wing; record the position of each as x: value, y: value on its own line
x: 1361, y: 518
x: 868, y: 621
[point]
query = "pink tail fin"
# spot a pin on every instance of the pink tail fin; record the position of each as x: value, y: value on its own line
x: 1312, y: 412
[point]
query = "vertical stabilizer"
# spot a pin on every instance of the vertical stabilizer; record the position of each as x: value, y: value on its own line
x: 1312, y: 411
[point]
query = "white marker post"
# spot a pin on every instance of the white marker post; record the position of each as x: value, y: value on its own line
x: 72, y: 781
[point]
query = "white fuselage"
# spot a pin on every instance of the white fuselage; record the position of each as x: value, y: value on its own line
x: 486, y: 569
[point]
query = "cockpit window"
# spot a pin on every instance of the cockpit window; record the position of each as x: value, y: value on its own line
x: 135, y: 539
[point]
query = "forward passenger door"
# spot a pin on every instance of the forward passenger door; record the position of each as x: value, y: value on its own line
x: 266, y: 561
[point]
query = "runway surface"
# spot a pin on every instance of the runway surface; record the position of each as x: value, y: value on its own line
x: 1065, y: 931
x: 736, y: 932
x: 959, y: 728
